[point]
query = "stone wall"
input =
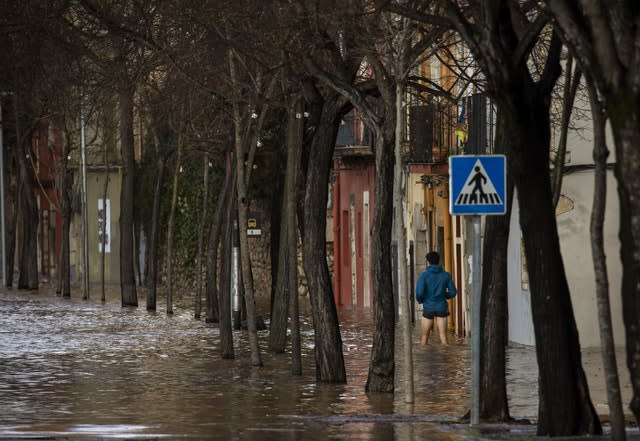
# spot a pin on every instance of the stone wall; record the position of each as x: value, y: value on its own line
x: 260, y: 249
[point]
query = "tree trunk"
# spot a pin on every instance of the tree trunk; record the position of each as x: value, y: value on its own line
x: 226, y: 328
x: 494, y: 302
x: 28, y: 216
x: 11, y: 206
x: 170, y: 225
x: 611, y: 62
x: 400, y: 232
x: 294, y: 148
x: 565, y: 406
x: 572, y: 81
x: 197, y: 304
x: 382, y: 365
x: 600, y: 154
x: 624, y: 115
x: 280, y: 295
x: 217, y: 226
x: 103, y: 239
x: 243, y: 207
x: 65, y: 211
x: 127, y: 200
x: 277, y: 222
x: 152, y: 279
x: 328, y: 341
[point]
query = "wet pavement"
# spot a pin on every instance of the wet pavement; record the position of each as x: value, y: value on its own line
x: 76, y: 369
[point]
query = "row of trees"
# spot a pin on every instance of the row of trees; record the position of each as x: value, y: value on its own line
x: 220, y: 79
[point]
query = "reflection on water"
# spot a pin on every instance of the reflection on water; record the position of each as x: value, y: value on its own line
x: 78, y: 369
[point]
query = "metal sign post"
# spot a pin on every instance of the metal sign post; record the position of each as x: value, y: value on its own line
x: 478, y: 187
x: 476, y: 292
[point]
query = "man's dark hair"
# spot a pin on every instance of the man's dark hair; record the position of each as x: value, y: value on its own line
x: 433, y: 258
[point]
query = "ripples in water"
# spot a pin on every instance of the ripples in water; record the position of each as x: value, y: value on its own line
x: 81, y: 368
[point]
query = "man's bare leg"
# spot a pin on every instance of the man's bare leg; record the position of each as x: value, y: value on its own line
x: 426, y: 326
x: 441, y: 323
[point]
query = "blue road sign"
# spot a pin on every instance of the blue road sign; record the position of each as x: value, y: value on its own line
x: 477, y: 184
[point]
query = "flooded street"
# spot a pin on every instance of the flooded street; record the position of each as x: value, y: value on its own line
x: 75, y: 369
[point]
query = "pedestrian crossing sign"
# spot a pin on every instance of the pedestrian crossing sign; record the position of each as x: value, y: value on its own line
x: 477, y: 184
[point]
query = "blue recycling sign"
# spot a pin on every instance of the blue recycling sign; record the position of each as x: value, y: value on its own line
x: 477, y: 184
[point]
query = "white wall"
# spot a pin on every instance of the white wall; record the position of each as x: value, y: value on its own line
x: 575, y: 242
x: 520, y: 320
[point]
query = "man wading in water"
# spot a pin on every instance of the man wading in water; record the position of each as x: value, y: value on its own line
x: 434, y: 287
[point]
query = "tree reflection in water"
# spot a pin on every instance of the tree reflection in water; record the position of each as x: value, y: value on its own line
x: 81, y: 368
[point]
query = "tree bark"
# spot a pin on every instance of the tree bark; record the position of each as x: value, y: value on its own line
x: 600, y: 154
x: 103, y: 239
x: 127, y: 242
x: 400, y: 232
x: 217, y: 226
x: 197, y: 304
x: 11, y: 205
x: 572, y: 81
x: 605, y: 42
x: 65, y: 212
x: 275, y: 244
x: 226, y: 328
x: 624, y: 114
x: 28, y: 216
x: 565, y: 407
x: 152, y: 270
x: 328, y: 341
x: 243, y: 206
x: 494, y: 302
x: 293, y: 160
x: 382, y: 366
x: 281, y: 292
x: 280, y: 295
x: 170, y: 224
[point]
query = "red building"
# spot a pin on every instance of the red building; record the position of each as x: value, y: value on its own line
x: 47, y: 147
x: 353, y: 201
x: 426, y: 145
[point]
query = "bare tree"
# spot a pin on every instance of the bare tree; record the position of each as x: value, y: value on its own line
x: 494, y: 302
x: 501, y: 40
x: 214, y: 307
x: 571, y: 82
x: 197, y: 304
x: 243, y: 202
x: 171, y: 222
x: 600, y: 154
x: 129, y: 295
x: 603, y: 37
x: 28, y: 214
x: 294, y: 149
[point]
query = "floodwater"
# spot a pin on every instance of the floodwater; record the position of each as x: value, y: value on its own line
x: 80, y: 369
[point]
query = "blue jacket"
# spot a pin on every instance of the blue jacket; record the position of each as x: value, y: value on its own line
x: 433, y: 289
